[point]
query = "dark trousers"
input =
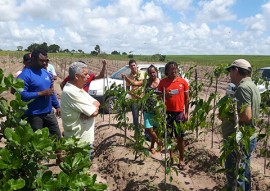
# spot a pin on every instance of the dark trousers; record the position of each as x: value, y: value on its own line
x: 45, y: 120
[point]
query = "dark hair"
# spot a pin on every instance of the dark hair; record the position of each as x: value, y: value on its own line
x: 131, y: 61
x: 82, y: 61
x: 36, y: 52
x: 167, y: 66
x: 242, y: 71
x: 152, y: 66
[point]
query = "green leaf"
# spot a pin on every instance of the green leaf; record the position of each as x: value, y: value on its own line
x: 46, y: 176
x: 16, y: 184
x: 5, y: 155
x: 8, y: 133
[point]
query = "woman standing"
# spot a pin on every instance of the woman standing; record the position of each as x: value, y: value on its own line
x: 149, y: 110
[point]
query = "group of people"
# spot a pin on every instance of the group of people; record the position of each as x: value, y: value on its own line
x: 78, y: 108
x: 176, y: 91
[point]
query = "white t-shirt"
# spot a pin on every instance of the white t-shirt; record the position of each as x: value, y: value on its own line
x: 75, y: 101
x: 51, y: 69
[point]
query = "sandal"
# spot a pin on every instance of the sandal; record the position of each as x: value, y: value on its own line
x: 181, y: 166
x: 153, y: 151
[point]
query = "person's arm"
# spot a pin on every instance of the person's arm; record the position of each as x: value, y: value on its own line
x: 132, y: 82
x: 63, y: 83
x: 186, y: 104
x: 243, y: 97
x: 245, y: 116
x: 103, y: 69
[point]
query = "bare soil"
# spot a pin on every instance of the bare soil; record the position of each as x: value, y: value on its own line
x: 115, y: 162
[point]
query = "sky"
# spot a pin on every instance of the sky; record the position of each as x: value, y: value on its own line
x: 168, y: 27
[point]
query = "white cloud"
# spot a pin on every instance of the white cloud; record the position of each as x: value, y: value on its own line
x: 179, y: 5
x: 142, y: 26
x: 256, y: 23
x: 266, y: 8
x: 8, y: 10
x: 216, y: 10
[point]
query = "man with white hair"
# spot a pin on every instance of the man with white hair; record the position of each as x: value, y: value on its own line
x: 78, y: 108
x: 248, y: 103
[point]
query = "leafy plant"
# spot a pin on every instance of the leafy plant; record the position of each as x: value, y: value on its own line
x: 24, y: 150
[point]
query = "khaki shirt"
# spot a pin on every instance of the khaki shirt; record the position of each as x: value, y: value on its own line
x: 139, y: 76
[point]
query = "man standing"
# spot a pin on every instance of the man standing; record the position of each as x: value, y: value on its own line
x: 248, y: 103
x: 38, y: 86
x: 79, y: 109
x: 177, y: 106
x: 134, y: 82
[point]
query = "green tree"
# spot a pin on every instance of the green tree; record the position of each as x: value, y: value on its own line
x: 124, y: 53
x: 97, y: 49
x: 32, y: 47
x: 115, y: 52
x: 44, y: 46
x: 19, y: 48
x: 53, y: 48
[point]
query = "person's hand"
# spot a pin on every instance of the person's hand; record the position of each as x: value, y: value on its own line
x: 123, y: 76
x: 169, y: 94
x: 84, y: 117
x: 186, y: 117
x: 104, y: 62
x: 46, y: 92
x: 58, y: 112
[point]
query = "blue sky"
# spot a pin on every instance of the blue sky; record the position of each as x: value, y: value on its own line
x: 145, y: 27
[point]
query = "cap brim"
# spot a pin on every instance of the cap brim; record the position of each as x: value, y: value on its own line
x: 228, y: 68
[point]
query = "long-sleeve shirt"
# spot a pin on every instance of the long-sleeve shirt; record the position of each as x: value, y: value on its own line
x: 36, y: 80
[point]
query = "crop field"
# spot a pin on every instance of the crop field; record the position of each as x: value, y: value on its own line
x: 123, y: 163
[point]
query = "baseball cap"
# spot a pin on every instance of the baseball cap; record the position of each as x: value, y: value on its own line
x: 27, y: 58
x: 240, y: 63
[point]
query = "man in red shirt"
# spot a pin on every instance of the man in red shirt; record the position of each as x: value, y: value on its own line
x: 177, y: 104
x: 90, y: 79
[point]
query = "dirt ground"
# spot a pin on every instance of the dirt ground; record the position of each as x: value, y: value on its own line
x: 115, y: 163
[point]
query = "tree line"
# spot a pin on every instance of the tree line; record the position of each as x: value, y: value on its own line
x: 54, y: 48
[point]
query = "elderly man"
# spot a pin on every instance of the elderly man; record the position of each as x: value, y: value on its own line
x: 78, y: 108
x: 248, y: 103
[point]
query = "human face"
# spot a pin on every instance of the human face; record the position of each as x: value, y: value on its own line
x: 41, y: 61
x: 173, y: 71
x: 152, y: 73
x: 233, y: 75
x: 133, y: 67
x: 82, y: 78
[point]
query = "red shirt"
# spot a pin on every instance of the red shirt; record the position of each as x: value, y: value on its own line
x: 176, y: 103
x: 86, y: 85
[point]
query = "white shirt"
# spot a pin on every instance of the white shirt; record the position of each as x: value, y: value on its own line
x: 51, y: 69
x: 75, y: 101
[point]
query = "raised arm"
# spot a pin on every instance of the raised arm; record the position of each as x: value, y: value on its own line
x: 103, y: 69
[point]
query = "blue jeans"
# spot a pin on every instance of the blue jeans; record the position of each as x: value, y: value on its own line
x: 135, y: 115
x: 231, y: 162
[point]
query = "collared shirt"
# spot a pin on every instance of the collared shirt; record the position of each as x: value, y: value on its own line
x: 74, y: 102
x: 247, y: 94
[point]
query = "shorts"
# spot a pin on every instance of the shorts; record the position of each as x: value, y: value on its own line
x: 148, y: 120
x: 177, y: 117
